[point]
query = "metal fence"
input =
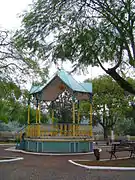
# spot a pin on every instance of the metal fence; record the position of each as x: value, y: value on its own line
x: 43, y: 130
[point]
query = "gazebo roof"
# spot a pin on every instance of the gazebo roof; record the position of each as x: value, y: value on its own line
x: 67, y: 80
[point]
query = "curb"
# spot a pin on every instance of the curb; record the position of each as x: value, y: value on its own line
x: 12, y: 149
x: 11, y: 160
x: 103, y: 167
x: 7, y: 144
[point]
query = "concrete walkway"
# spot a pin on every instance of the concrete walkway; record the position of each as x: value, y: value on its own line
x: 56, y: 168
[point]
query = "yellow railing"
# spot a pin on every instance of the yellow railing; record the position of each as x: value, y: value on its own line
x: 42, y: 130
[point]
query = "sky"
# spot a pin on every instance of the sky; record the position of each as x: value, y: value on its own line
x: 9, y: 12
x: 9, y: 19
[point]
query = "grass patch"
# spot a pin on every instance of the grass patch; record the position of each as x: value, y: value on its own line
x: 110, y: 163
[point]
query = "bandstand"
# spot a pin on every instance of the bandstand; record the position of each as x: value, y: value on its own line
x: 59, y: 137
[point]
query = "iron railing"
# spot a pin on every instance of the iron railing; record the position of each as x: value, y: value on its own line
x: 60, y: 129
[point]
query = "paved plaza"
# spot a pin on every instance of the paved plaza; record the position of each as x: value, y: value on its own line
x: 35, y: 167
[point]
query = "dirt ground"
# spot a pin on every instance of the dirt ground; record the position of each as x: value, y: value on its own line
x: 112, y: 163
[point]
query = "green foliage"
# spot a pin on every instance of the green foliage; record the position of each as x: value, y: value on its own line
x: 9, y: 95
x: 17, y: 67
x: 84, y: 32
x: 9, y: 90
x: 16, y: 111
x: 110, y: 103
x: 125, y: 127
x: 12, y: 102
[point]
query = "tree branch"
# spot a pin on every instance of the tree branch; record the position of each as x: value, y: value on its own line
x: 122, y: 82
x: 101, y: 64
x: 10, y: 64
x: 120, y: 58
x: 108, y: 14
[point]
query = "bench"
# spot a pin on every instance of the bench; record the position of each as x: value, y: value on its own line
x: 121, y: 146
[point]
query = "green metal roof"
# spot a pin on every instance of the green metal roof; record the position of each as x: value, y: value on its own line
x: 73, y: 84
x: 68, y: 80
x: 87, y: 86
x: 35, y: 89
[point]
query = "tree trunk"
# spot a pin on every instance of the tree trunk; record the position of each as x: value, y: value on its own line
x: 105, y: 133
x: 122, y: 82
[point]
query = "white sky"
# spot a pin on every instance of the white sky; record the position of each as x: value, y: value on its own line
x: 9, y: 12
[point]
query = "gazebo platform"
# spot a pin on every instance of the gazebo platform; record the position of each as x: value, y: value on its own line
x: 59, y: 137
x: 59, y: 145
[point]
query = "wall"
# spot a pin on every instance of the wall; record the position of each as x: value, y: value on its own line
x: 57, y: 146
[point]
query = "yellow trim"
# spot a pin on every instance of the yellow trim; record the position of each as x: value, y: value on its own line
x: 36, y: 115
x: 61, y: 140
x: 61, y: 129
x: 39, y: 115
x: 65, y: 129
x: 70, y: 130
x: 91, y: 120
x: 78, y: 116
x: 73, y: 119
x: 52, y: 116
x: 28, y: 114
x: 28, y: 131
x: 38, y: 130
x: 28, y: 121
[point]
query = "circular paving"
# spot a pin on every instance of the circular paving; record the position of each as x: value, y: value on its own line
x: 56, y: 168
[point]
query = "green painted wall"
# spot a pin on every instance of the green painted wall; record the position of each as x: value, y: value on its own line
x: 84, y: 146
x: 58, y: 147
x: 32, y: 146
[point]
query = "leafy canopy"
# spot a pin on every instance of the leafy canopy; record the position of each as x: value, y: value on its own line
x: 14, y: 105
x: 89, y: 32
x: 15, y: 66
x: 110, y: 103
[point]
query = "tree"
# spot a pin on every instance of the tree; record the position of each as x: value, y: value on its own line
x: 14, y: 66
x: 125, y: 126
x: 9, y: 95
x: 110, y: 103
x: 15, y: 69
x: 14, y: 105
x: 89, y: 32
x: 9, y: 90
x: 12, y: 98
